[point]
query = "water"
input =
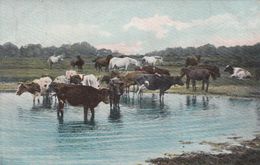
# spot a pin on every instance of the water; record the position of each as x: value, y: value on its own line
x: 31, y: 134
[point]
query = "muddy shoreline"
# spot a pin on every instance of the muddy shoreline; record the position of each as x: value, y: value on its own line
x: 248, y: 152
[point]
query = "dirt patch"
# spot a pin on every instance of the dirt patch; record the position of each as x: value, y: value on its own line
x: 248, y: 153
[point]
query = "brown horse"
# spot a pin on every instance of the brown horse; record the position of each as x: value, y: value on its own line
x: 192, y: 61
x: 197, y: 74
x: 79, y: 63
x: 102, y: 62
x: 153, y: 70
x: 214, y: 69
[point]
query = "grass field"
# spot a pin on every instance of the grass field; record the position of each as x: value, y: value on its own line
x: 13, y: 70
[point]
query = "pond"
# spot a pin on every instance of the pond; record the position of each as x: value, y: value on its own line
x: 31, y: 134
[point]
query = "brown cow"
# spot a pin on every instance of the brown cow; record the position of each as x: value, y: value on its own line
x: 214, y: 69
x: 153, y: 70
x: 32, y: 88
x: 77, y: 95
x: 116, y: 89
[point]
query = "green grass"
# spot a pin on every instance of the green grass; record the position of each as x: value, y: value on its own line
x: 14, y: 70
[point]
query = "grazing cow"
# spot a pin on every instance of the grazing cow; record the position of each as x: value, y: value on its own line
x: 32, y: 88
x: 78, y: 95
x: 116, y: 89
x: 102, y: 62
x: 155, y: 81
x: 237, y: 72
x: 192, y: 61
x: 116, y: 62
x: 54, y: 59
x: 197, y: 74
x: 153, y: 70
x: 79, y: 63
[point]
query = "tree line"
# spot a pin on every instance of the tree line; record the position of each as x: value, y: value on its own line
x: 244, y: 55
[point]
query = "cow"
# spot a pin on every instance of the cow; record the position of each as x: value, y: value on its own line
x: 78, y: 95
x: 156, y: 81
x: 153, y: 70
x: 32, y: 88
x: 39, y: 87
x: 61, y: 79
x: 237, y: 72
x: 70, y: 73
x: 116, y: 89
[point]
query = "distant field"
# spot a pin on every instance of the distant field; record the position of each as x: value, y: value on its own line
x: 13, y: 70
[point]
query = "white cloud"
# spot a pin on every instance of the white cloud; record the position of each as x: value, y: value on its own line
x: 123, y: 47
x: 156, y: 24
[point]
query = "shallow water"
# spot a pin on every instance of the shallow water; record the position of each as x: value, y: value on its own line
x: 31, y: 134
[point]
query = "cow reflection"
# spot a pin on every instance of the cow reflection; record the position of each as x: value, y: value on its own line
x: 115, y: 115
x: 192, y: 101
x: 76, y: 127
x: 46, y: 104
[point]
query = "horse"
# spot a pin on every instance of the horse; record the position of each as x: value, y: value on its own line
x: 54, y: 59
x: 192, y: 61
x: 197, y: 74
x: 237, y: 72
x: 79, y: 63
x: 102, y: 62
x: 148, y: 60
x: 116, y: 62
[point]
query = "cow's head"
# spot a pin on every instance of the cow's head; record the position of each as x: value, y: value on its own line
x: 116, y: 86
x: 21, y: 89
x: 229, y: 69
x: 104, y: 95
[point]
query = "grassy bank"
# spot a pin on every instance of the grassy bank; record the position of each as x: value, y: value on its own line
x: 13, y: 70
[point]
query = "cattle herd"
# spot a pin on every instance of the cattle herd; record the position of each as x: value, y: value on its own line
x: 88, y: 90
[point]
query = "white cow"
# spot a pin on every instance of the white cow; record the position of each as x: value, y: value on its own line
x: 116, y: 62
x: 90, y: 80
x: 237, y: 72
x: 44, y: 83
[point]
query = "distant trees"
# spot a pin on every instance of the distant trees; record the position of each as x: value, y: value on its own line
x: 244, y: 55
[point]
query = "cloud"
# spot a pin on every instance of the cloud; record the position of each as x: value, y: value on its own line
x: 249, y: 40
x: 122, y: 47
x: 156, y: 24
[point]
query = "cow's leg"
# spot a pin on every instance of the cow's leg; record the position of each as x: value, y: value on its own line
x: 92, y: 113
x: 85, y: 114
x: 60, y: 109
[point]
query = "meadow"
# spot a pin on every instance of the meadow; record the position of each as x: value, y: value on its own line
x: 14, y: 70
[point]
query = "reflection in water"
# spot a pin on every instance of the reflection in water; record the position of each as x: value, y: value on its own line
x: 76, y: 126
x: 192, y: 101
x: 114, y: 115
x: 46, y: 104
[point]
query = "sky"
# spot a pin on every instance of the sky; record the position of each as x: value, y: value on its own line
x: 130, y: 27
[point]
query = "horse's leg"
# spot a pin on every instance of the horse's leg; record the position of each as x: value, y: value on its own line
x: 187, y: 83
x: 207, y: 85
x: 194, y: 85
x: 203, y: 83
